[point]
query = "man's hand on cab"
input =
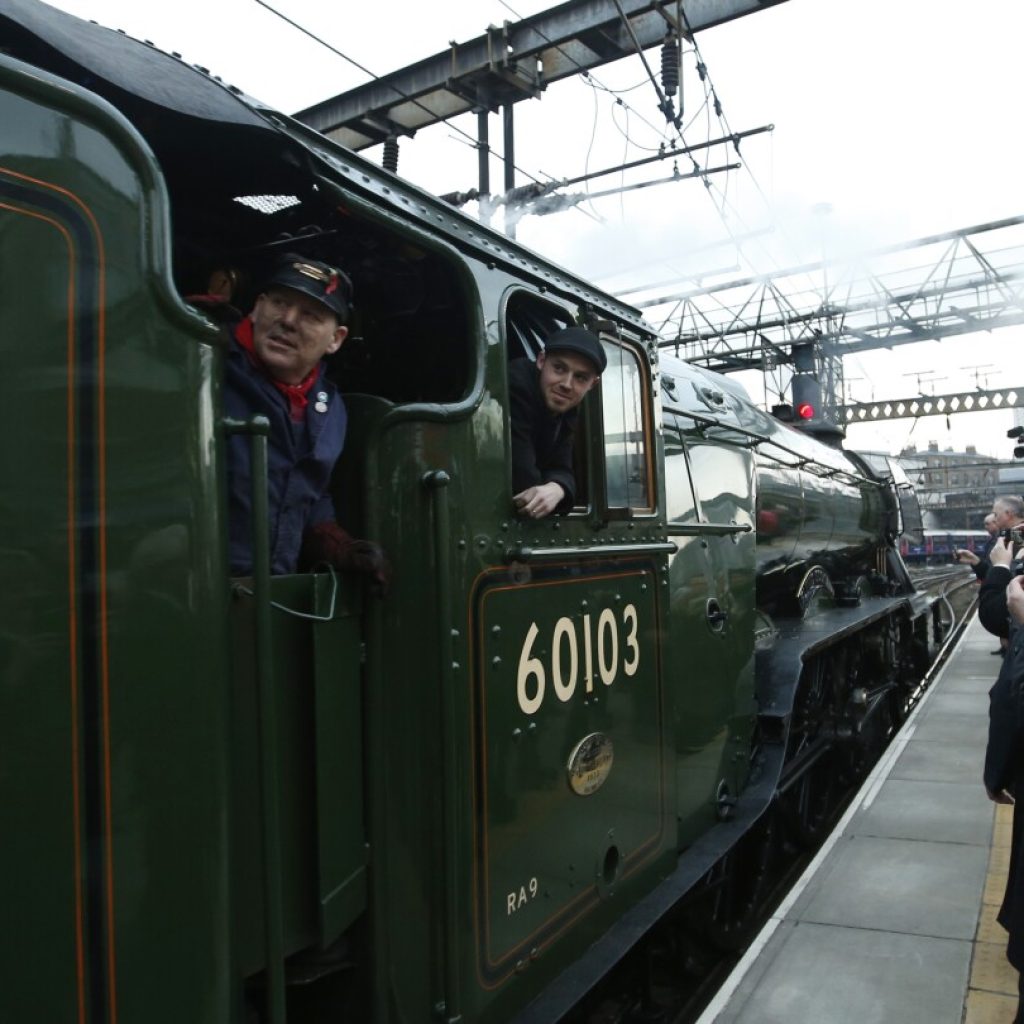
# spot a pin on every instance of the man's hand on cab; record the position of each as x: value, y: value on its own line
x: 540, y: 501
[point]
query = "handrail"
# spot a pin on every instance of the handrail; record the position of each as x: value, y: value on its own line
x: 436, y: 483
x: 524, y: 553
x: 258, y: 429
x: 757, y: 439
x: 714, y: 529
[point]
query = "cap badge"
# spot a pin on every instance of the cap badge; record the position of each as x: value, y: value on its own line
x: 308, y: 270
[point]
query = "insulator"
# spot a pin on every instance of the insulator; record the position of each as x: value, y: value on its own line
x: 670, y: 66
x: 390, y: 161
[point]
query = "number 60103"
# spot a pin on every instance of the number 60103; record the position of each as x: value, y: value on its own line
x: 601, y: 645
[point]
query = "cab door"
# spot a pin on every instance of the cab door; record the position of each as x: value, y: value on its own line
x: 572, y: 803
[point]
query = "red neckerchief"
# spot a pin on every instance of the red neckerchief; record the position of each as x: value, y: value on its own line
x: 297, y: 394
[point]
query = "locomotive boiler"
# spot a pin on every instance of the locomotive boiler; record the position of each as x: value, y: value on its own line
x: 552, y: 744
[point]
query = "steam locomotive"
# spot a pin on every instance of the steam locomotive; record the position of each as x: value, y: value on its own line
x: 551, y: 746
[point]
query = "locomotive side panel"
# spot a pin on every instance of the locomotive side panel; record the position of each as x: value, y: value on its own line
x: 780, y: 511
x: 318, y: 784
x: 529, y: 794
x: 114, y: 669
x: 814, y: 515
x: 710, y: 635
x: 568, y: 715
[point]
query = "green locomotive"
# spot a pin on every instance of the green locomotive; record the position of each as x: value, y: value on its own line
x: 227, y: 801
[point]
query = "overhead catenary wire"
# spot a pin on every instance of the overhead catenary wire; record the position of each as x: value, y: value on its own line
x: 595, y: 84
x: 719, y: 198
x: 585, y: 73
x: 466, y: 137
x: 711, y: 93
x: 470, y: 140
x: 590, y: 79
x: 664, y: 102
x: 366, y: 71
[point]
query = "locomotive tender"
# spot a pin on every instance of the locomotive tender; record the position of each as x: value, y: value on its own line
x: 226, y: 801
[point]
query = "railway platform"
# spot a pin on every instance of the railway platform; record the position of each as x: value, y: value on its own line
x: 894, y: 919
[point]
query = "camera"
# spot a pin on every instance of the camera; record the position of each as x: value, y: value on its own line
x: 1015, y: 538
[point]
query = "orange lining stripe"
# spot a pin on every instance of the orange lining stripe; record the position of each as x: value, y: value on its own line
x: 101, y: 430
x: 73, y: 632
x: 72, y: 612
x: 101, y: 527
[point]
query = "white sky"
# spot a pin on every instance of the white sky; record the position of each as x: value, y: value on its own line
x: 900, y: 115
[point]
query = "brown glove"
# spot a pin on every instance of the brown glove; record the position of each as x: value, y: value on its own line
x: 328, y: 542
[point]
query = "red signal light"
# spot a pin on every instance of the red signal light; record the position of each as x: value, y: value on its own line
x: 805, y: 411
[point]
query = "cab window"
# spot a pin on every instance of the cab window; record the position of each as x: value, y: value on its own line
x: 614, y: 425
x: 528, y: 321
x: 627, y: 444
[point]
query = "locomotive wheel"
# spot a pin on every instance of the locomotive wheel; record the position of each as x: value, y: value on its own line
x: 739, y: 885
x: 807, y: 801
x: 875, y: 713
x: 808, y: 806
x: 873, y: 738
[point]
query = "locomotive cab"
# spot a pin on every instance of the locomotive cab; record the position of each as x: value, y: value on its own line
x: 476, y: 766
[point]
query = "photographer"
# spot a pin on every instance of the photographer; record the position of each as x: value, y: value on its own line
x: 1001, y: 611
x: 980, y: 563
x: 992, y: 607
x: 1004, y: 766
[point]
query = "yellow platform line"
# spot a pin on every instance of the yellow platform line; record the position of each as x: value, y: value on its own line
x: 992, y: 992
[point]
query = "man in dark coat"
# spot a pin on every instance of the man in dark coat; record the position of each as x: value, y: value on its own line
x: 545, y: 398
x: 979, y: 563
x: 1004, y: 770
x: 275, y: 368
x: 1007, y: 512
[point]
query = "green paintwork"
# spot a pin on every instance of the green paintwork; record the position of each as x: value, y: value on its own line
x: 558, y: 656
x: 318, y: 710
x: 113, y: 704
x: 430, y: 843
x: 713, y: 665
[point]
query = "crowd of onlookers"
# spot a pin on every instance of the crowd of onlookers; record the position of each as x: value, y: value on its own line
x: 1001, y: 612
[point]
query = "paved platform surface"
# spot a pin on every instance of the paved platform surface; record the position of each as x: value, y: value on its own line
x: 894, y: 921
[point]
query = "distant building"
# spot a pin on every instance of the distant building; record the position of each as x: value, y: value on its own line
x: 956, y: 488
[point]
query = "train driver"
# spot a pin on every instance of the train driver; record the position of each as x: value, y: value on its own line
x: 275, y: 368
x: 545, y: 398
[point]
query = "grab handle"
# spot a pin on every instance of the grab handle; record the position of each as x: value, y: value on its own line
x: 258, y: 429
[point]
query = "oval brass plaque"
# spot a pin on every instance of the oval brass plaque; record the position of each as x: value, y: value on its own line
x: 590, y: 763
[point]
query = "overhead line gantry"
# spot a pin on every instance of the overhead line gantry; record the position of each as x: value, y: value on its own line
x: 509, y: 63
x: 963, y: 282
